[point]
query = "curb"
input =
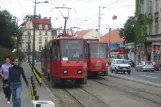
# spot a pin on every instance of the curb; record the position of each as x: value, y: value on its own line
x: 137, y: 81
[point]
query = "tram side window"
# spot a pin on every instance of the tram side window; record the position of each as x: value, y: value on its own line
x: 58, y: 53
x: 54, y: 53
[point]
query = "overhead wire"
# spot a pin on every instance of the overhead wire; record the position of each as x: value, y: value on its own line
x: 22, y: 7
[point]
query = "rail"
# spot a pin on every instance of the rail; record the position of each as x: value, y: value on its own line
x: 37, y: 75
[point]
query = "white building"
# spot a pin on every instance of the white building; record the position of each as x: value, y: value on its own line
x: 42, y: 35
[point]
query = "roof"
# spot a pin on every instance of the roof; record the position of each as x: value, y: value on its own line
x: 114, y: 37
x: 82, y: 32
x: 96, y: 42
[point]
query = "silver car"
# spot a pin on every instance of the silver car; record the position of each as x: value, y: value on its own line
x: 145, y: 66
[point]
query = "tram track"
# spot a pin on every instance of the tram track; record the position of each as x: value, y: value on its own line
x: 95, y: 97
x: 132, y: 91
x: 80, y: 104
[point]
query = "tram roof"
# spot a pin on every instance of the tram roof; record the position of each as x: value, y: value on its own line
x: 67, y: 38
x: 96, y: 42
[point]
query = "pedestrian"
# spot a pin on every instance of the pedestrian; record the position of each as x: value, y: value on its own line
x: 15, y: 74
x: 4, y: 72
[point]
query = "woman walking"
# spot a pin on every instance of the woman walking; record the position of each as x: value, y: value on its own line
x: 4, y: 72
x: 15, y: 74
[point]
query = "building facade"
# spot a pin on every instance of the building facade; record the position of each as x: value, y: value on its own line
x: 87, y: 34
x: 148, y: 25
x: 42, y: 35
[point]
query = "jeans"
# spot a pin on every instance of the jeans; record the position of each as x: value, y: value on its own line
x: 16, y: 89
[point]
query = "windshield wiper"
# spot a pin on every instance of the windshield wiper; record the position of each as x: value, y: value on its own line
x: 79, y: 57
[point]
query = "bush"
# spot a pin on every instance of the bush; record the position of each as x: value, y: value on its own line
x: 3, y: 53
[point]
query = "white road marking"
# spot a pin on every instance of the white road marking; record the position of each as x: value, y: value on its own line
x: 149, y: 76
x: 153, y: 73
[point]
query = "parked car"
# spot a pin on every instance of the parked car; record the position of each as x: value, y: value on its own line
x: 157, y: 66
x: 145, y: 66
x: 120, y: 65
x: 131, y: 62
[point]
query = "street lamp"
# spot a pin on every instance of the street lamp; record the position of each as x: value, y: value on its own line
x: 33, y: 52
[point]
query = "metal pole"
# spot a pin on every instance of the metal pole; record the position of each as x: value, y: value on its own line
x: 34, y: 25
x: 17, y: 39
x: 66, y: 18
x: 99, y: 21
x: 135, y: 44
x: 109, y: 44
x: 29, y: 47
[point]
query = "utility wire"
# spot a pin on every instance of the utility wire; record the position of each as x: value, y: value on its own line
x: 22, y: 7
x: 113, y: 3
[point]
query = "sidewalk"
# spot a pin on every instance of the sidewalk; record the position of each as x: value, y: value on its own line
x: 26, y: 94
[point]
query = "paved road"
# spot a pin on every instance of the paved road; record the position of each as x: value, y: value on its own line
x: 146, y: 76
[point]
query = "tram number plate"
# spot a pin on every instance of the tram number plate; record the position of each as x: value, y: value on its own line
x: 98, y: 64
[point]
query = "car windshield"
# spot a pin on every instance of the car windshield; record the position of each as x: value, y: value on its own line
x: 148, y: 63
x: 72, y: 49
x: 98, y: 50
x: 122, y: 62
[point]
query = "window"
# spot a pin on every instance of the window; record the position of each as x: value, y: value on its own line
x: 156, y: 26
x: 98, y: 51
x: 40, y: 40
x: 46, y: 33
x: 156, y: 5
x: 40, y: 33
x: 46, y: 40
x: 121, y: 62
x: 39, y: 47
x: 150, y: 7
x: 40, y: 26
x: 72, y: 49
x: 150, y: 29
x: 46, y: 27
x: 142, y: 6
x: 54, y: 32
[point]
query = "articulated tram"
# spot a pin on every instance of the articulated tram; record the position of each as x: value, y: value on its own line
x: 64, y: 60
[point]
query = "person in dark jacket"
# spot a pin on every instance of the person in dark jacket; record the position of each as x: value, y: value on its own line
x: 14, y: 78
x: 4, y: 72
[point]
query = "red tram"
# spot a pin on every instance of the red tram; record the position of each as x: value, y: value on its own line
x: 63, y: 60
x: 97, y: 58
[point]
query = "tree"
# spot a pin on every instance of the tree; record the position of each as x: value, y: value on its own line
x: 128, y: 32
x: 8, y: 28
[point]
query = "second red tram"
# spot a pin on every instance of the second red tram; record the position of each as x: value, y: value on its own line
x: 64, y: 60
x: 97, y: 58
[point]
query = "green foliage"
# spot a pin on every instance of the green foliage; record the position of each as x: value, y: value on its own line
x: 13, y: 38
x: 128, y: 32
x: 141, y: 27
x: 8, y: 28
x: 5, y: 52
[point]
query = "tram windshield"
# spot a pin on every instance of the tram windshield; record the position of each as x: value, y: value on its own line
x: 72, y: 49
x: 98, y: 51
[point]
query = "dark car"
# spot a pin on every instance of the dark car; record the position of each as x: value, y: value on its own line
x: 157, y: 66
x: 132, y: 63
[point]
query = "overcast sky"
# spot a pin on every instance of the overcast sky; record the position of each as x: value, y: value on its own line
x: 85, y: 10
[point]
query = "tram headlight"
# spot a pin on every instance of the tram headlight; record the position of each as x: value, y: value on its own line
x: 79, y: 71
x: 65, y: 71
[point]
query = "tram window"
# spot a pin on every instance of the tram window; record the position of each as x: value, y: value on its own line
x: 54, y: 51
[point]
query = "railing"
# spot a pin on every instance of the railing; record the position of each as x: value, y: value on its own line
x: 37, y: 74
